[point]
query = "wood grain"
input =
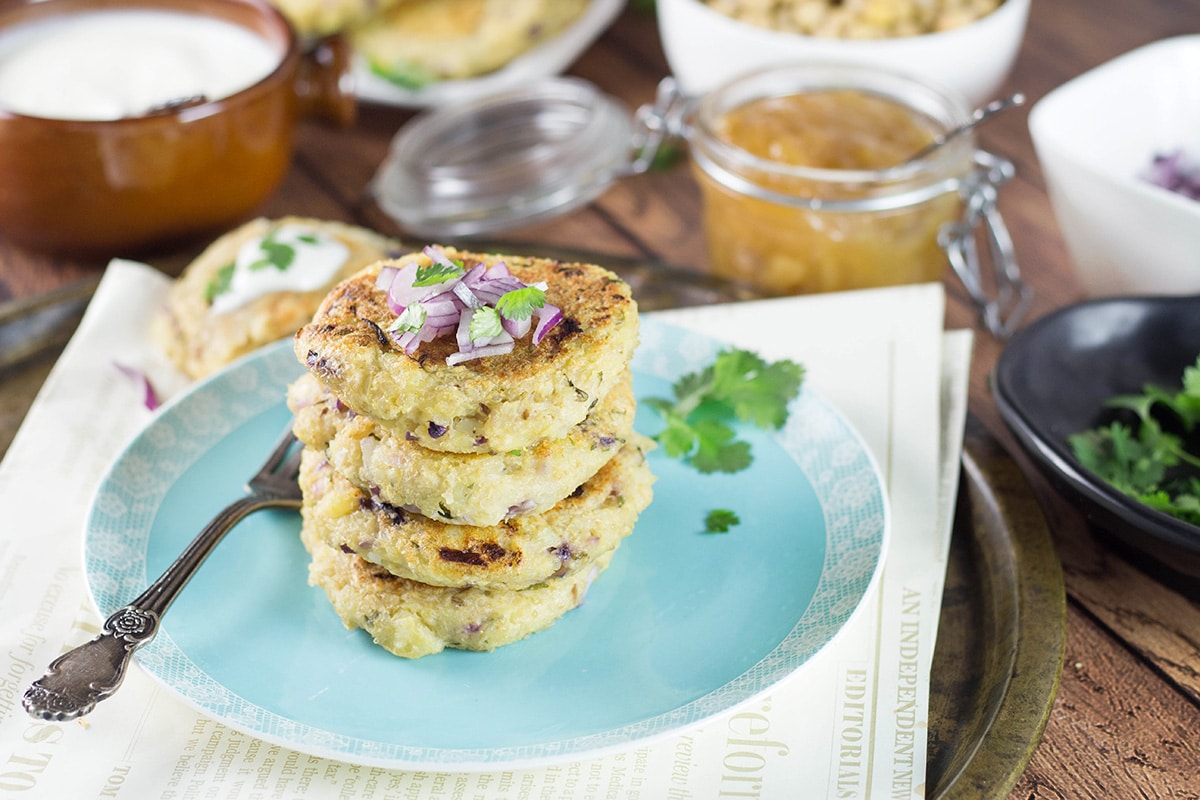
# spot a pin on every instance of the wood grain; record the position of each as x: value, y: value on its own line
x: 1125, y: 721
x: 1116, y: 730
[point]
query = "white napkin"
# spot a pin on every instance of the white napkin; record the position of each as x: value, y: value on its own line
x: 851, y: 723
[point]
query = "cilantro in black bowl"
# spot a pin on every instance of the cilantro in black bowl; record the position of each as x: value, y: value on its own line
x: 1073, y: 389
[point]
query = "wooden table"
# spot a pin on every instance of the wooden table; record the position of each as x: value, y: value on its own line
x: 1126, y: 718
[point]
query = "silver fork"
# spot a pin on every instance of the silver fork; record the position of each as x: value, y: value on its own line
x: 78, y: 679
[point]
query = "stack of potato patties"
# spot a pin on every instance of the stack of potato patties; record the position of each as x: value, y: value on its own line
x: 459, y: 499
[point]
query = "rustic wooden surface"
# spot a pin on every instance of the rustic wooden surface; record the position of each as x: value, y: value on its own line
x: 1126, y: 718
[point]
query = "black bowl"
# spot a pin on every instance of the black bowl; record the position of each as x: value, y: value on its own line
x: 1052, y: 380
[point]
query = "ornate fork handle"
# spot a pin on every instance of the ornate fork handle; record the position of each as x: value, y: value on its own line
x: 93, y: 671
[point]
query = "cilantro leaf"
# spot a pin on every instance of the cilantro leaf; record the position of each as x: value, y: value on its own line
x: 411, y: 320
x: 757, y: 391
x: 717, y: 450
x: 1149, y: 453
x: 435, y: 273
x: 485, y: 323
x: 220, y: 283
x: 520, y: 303
x: 275, y: 254
x: 720, y: 520
x: 737, y: 385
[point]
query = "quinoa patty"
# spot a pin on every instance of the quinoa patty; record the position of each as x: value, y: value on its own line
x: 460, y: 488
x: 199, y: 341
x: 514, y: 554
x: 412, y: 619
x: 489, y: 405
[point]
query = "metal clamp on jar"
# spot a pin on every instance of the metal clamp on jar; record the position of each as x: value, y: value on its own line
x: 770, y: 221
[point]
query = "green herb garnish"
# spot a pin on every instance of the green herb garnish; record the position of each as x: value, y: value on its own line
x: 738, y: 385
x: 438, y: 272
x: 219, y: 283
x: 410, y: 320
x: 485, y: 323
x: 520, y: 303
x: 274, y: 254
x: 405, y: 75
x: 720, y: 520
x: 1155, y: 460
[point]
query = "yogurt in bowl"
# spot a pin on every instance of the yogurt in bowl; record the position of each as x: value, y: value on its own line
x: 103, y: 65
x: 129, y: 125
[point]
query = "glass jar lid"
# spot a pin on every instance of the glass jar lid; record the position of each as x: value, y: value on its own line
x: 506, y: 160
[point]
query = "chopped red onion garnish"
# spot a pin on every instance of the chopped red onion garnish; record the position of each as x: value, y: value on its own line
x: 384, y: 279
x: 464, y: 293
x: 548, y: 316
x: 1175, y: 172
x: 450, y: 294
x: 149, y: 396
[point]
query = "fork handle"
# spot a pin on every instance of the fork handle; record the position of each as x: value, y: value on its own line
x: 93, y: 671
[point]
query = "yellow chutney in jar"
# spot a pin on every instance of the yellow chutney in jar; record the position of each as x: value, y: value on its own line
x: 802, y: 191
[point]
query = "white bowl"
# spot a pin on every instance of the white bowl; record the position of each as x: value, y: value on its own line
x: 706, y: 49
x: 1095, y: 136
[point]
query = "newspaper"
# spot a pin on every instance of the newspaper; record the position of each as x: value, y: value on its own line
x: 851, y: 723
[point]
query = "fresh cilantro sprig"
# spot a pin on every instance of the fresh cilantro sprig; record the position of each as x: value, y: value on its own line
x: 737, y: 385
x: 1154, y: 459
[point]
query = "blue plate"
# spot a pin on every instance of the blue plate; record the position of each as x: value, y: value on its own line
x: 682, y: 626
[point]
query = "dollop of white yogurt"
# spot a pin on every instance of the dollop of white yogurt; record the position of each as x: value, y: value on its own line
x: 104, y: 65
x: 315, y: 258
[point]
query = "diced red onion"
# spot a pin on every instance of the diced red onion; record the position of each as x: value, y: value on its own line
x: 480, y: 352
x: 463, y: 333
x: 149, y: 396
x: 475, y: 275
x: 517, y: 328
x: 440, y: 307
x: 1176, y: 173
x: 383, y: 281
x: 463, y: 292
x: 402, y: 293
x: 548, y: 316
x: 439, y: 256
x: 451, y: 304
x: 493, y: 289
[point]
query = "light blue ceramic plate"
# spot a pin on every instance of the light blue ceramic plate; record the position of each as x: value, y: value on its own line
x: 682, y: 626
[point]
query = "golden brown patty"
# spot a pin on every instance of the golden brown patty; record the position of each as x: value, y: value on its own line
x: 518, y: 553
x: 488, y: 405
x: 462, y: 488
x: 412, y: 619
x: 416, y: 42
x: 200, y: 340
x: 323, y: 17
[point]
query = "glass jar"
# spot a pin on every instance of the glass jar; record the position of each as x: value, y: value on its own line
x: 801, y: 188
x: 807, y: 184
x: 529, y: 154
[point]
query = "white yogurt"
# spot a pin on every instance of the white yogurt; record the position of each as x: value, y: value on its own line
x: 101, y: 65
x: 315, y: 258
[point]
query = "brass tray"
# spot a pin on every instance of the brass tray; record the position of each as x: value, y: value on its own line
x: 1002, y: 629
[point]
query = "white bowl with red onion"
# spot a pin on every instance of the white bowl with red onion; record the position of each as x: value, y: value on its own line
x: 1120, y: 150
x: 486, y: 308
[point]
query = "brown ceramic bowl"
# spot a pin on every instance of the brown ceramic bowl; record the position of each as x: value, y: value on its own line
x: 102, y: 188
